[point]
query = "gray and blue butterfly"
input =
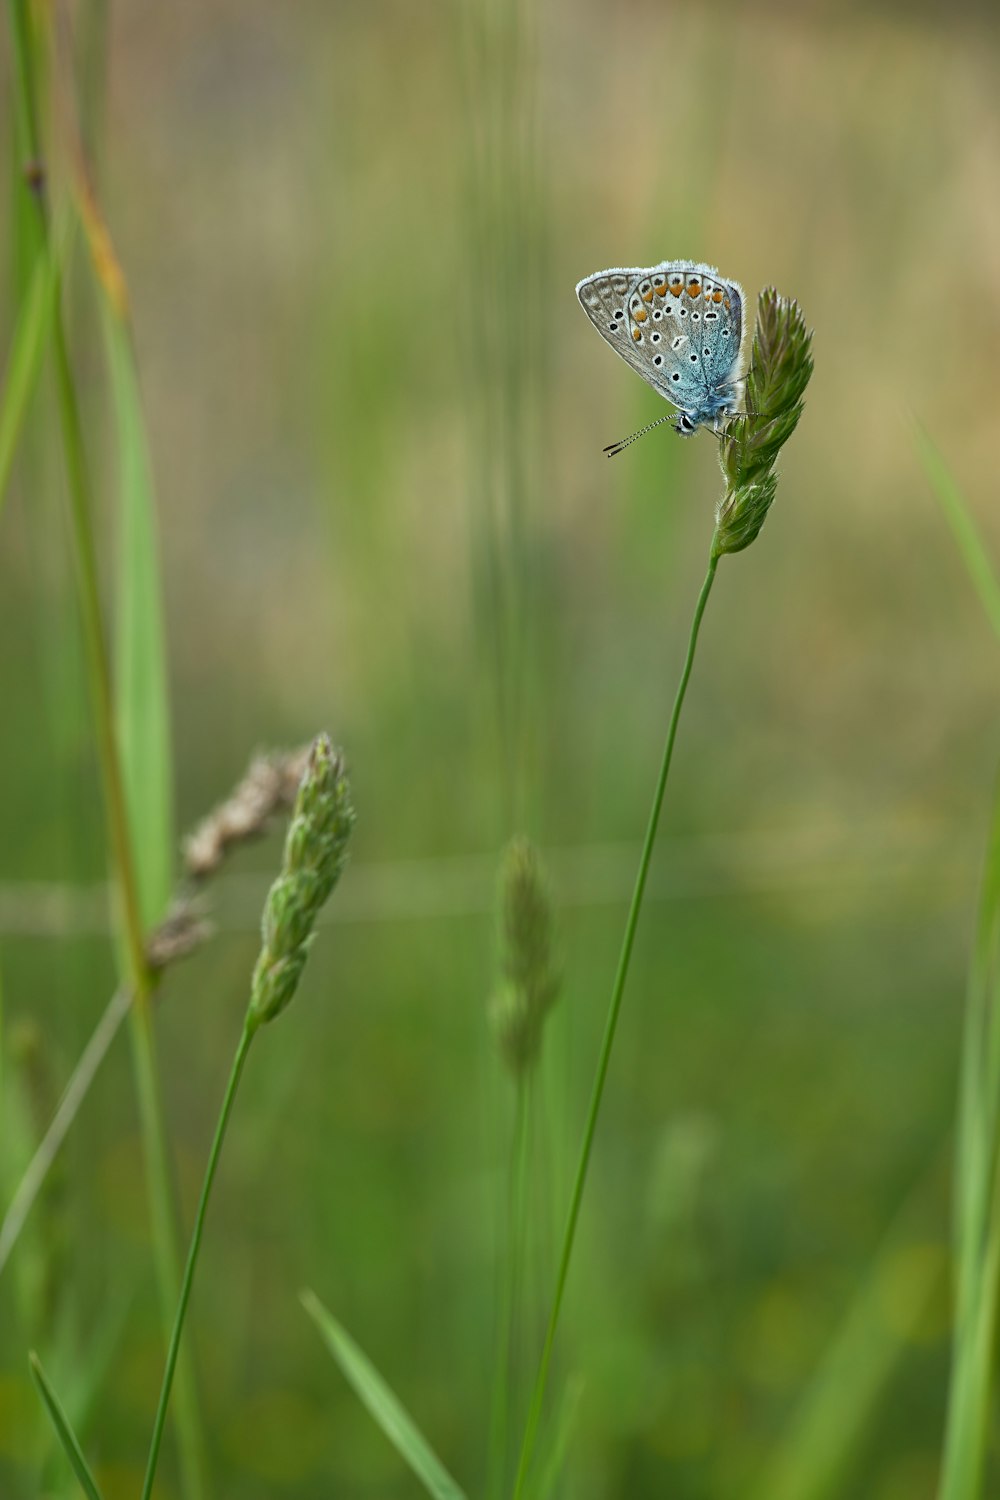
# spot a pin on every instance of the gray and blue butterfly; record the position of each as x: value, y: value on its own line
x: 680, y: 326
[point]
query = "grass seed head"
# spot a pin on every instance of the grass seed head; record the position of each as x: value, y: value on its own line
x: 530, y: 984
x: 315, y: 854
x: 780, y: 367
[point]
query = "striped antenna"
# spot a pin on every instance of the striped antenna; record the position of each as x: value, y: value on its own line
x: 614, y: 448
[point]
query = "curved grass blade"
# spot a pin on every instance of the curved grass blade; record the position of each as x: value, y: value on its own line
x: 64, y: 1431
x: 383, y: 1404
x: 142, y: 696
x: 967, y: 538
x: 48, y: 1147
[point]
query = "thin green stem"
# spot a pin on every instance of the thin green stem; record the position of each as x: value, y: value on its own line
x: 538, y: 1395
x: 512, y: 1269
x: 192, y: 1260
x: 140, y: 980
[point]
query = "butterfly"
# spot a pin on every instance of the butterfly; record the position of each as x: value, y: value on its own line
x: 680, y: 326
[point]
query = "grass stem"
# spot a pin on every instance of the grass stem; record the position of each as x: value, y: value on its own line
x: 192, y: 1260
x: 569, y: 1234
x: 513, y: 1269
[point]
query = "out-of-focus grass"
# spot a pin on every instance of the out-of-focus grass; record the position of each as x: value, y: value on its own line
x: 977, y: 1202
x: 122, y: 765
x: 141, y: 698
x: 27, y: 347
x: 285, y: 194
x: 977, y: 1206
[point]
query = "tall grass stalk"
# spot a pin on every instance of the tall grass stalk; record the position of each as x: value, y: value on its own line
x: 511, y: 1278
x: 315, y: 853
x: 503, y: 349
x: 779, y: 371
x: 607, y: 1042
x: 977, y: 1195
x: 528, y: 987
x: 139, y: 979
x: 977, y: 1205
x: 977, y: 1155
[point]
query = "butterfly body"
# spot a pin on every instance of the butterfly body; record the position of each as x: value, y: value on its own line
x: 680, y: 326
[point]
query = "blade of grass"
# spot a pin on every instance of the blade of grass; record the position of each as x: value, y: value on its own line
x: 133, y: 951
x: 977, y: 1212
x: 73, y: 1096
x: 142, y: 696
x: 977, y: 1167
x: 382, y: 1403
x: 31, y: 335
x: 143, y: 715
x: 963, y: 527
x: 64, y: 1431
x: 607, y: 1043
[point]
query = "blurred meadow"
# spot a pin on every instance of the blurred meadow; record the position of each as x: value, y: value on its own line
x: 374, y: 416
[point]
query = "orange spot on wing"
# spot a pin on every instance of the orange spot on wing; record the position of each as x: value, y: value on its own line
x: 694, y: 287
x: 661, y: 289
x: 716, y: 295
x: 676, y: 287
x: 636, y: 334
x: 647, y: 295
x: 640, y: 315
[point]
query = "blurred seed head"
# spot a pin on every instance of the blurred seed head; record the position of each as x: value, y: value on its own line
x: 780, y: 367
x: 182, y: 930
x: 530, y: 984
x: 269, y: 787
x: 315, y: 855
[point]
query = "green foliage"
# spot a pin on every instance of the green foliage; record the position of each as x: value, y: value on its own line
x: 383, y: 1404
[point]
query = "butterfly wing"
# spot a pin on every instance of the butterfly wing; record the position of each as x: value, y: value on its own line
x: 678, y: 325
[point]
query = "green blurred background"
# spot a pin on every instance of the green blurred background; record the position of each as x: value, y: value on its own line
x: 351, y: 234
